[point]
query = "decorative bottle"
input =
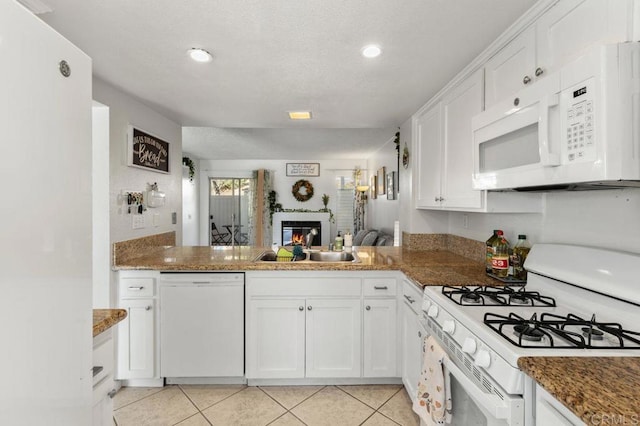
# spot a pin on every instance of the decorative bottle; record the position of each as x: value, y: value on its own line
x: 489, y: 253
x: 520, y: 252
x: 500, y: 257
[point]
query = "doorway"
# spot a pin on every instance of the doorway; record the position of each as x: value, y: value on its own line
x: 230, y: 201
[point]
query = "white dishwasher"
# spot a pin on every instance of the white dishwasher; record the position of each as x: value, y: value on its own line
x: 201, y: 325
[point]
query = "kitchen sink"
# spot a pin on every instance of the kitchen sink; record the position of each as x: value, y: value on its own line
x: 331, y: 256
x: 315, y: 256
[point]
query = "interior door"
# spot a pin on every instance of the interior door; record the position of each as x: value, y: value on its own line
x: 230, y: 208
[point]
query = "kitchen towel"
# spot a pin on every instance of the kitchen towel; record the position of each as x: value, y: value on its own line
x: 433, y: 402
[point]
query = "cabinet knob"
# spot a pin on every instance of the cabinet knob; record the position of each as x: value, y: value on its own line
x: 539, y: 72
x: 147, y: 308
x: 301, y: 308
x: 419, y: 333
x: 526, y: 79
x: 309, y: 308
x: 112, y: 393
x: 516, y: 101
x: 368, y: 308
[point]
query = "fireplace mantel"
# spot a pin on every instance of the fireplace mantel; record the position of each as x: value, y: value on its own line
x: 323, y: 218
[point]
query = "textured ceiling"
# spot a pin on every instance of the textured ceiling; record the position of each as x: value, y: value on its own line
x: 280, y: 55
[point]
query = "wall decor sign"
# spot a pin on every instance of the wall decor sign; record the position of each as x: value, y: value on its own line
x: 381, y: 181
x: 147, y: 151
x: 303, y: 169
x: 391, y: 186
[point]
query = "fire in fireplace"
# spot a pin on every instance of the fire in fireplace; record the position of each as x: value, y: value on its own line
x: 295, y: 232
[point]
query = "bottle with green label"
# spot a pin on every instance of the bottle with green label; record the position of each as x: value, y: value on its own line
x: 520, y: 252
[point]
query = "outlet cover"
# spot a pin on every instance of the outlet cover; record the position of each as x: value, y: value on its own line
x: 174, y: 218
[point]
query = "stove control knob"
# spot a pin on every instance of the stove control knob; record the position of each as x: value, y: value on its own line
x: 469, y: 345
x: 425, y: 305
x: 433, y: 311
x: 483, y: 359
x: 449, y: 326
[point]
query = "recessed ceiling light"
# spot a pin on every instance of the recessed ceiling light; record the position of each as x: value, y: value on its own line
x: 300, y: 115
x: 371, y: 51
x: 200, y: 55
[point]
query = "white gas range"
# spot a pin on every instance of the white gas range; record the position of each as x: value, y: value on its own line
x: 578, y: 301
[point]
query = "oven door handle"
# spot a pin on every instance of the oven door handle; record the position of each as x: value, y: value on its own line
x: 509, y: 409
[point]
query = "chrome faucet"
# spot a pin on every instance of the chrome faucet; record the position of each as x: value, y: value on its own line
x: 313, y: 232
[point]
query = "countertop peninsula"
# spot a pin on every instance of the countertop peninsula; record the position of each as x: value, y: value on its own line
x: 424, y: 267
x: 104, y: 319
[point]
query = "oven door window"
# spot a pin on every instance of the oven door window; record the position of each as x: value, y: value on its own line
x: 465, y: 410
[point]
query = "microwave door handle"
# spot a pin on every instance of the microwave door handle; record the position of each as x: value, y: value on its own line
x: 548, y: 156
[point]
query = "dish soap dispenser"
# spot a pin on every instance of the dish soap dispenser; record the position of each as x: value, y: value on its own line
x: 338, y: 242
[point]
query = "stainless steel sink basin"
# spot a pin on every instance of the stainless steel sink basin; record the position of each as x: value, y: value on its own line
x: 331, y: 256
x: 314, y: 256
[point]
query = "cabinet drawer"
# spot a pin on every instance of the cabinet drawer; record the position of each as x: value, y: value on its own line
x: 379, y: 287
x: 137, y: 287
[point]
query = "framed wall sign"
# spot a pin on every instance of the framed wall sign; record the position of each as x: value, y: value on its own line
x: 303, y: 169
x: 381, y: 180
x: 147, y: 151
x: 392, y: 191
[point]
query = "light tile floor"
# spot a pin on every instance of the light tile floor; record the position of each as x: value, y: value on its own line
x: 204, y: 405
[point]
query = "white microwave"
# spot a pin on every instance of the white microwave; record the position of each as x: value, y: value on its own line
x: 577, y: 128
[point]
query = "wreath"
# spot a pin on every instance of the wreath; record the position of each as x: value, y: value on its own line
x: 308, y: 190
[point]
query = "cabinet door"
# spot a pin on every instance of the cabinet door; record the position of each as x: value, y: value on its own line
x: 136, y: 340
x: 511, y: 69
x: 275, y: 339
x: 458, y: 107
x: 428, y: 134
x: 380, y: 338
x: 411, y: 350
x: 334, y: 331
x: 571, y: 26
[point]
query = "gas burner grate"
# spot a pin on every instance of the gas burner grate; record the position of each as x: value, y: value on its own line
x: 558, y: 331
x: 492, y: 296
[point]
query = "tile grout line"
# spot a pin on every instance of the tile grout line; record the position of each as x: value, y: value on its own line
x: 196, y: 407
x: 141, y: 399
x: 215, y: 403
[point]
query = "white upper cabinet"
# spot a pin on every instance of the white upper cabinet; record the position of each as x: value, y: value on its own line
x: 428, y: 134
x: 443, y: 143
x: 458, y: 108
x: 511, y: 69
x: 555, y: 38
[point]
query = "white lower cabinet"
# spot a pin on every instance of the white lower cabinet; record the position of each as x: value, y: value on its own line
x: 103, y: 386
x: 333, y: 338
x: 549, y: 411
x: 276, y: 338
x: 301, y: 327
x: 380, y: 337
x: 412, y: 336
x: 137, y: 334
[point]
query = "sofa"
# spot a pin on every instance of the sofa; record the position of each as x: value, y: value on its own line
x: 372, y: 237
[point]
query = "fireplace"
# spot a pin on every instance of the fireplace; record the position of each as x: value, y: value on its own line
x: 320, y: 220
x: 295, y: 232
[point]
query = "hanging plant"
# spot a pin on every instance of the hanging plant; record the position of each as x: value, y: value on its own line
x: 302, y: 196
x: 192, y: 167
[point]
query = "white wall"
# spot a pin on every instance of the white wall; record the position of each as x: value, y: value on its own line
x: 382, y: 212
x: 604, y: 218
x: 125, y: 110
x: 324, y: 184
x: 190, y: 211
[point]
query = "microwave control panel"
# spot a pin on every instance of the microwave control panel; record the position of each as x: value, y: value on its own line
x: 579, y: 143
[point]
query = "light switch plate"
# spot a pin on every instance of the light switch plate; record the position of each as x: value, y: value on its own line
x: 137, y: 221
x: 174, y: 218
x: 156, y: 219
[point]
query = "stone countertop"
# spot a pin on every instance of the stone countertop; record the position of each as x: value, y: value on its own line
x: 104, y: 319
x: 591, y: 387
x: 428, y: 267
